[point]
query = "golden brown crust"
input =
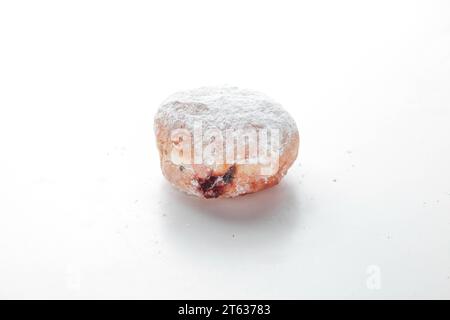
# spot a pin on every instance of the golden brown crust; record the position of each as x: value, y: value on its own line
x: 246, y: 178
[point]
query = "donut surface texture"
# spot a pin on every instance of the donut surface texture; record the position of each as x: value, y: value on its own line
x: 222, y: 142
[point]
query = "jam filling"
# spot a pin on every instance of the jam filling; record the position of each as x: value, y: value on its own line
x: 214, y: 186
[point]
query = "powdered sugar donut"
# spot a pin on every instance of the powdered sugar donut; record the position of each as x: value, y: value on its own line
x: 220, y: 142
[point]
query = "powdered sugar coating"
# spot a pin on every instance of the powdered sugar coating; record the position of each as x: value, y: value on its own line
x: 226, y: 108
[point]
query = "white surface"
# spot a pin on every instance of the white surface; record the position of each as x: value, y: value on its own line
x: 86, y: 213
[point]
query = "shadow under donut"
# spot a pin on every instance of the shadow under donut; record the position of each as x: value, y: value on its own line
x: 260, y: 220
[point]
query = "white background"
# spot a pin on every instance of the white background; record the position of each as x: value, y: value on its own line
x: 363, y: 213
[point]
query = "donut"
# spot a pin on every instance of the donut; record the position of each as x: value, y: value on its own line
x: 223, y: 142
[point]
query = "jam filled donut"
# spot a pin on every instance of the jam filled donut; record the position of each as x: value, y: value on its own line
x: 222, y: 142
